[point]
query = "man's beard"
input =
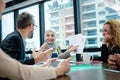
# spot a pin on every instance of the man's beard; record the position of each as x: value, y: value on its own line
x: 30, y: 35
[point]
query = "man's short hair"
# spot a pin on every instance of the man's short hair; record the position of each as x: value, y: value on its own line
x: 24, y: 20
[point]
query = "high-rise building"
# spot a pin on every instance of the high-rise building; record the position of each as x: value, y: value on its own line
x: 93, y: 14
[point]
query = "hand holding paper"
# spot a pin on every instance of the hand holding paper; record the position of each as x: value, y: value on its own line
x: 78, y: 40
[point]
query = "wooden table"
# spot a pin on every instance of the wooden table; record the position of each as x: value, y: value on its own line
x: 94, y: 71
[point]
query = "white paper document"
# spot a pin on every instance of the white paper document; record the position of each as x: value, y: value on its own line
x: 116, y: 71
x: 77, y: 40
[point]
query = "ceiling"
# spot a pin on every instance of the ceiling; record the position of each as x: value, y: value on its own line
x: 8, y: 0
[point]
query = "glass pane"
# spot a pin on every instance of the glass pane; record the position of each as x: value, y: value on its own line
x: 94, y: 13
x: 7, y: 24
x: 35, y: 41
x: 59, y: 15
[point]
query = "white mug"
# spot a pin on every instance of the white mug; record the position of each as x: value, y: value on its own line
x: 86, y: 58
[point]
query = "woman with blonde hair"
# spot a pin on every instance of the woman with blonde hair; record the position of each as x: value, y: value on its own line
x: 111, y: 40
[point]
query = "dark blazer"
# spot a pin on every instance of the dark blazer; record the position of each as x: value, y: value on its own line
x: 13, y: 45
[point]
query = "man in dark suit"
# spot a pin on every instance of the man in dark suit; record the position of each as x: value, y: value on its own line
x: 14, y: 43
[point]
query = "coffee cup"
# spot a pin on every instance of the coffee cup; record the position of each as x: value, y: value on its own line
x: 87, y: 58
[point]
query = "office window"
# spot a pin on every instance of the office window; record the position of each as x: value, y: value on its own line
x: 101, y: 4
x: 56, y: 28
x: 57, y: 36
x: 54, y: 22
x: 88, y: 8
x: 69, y: 12
x: 101, y: 21
x: 101, y: 39
x: 94, y: 13
x: 35, y: 41
x: 7, y: 24
x: 91, y: 41
x: 101, y: 30
x: 54, y: 15
x: 102, y: 13
x: 86, y: 1
x: 69, y: 19
x: 91, y: 32
x: 110, y: 10
x: 89, y: 16
x: 59, y: 15
x: 89, y: 24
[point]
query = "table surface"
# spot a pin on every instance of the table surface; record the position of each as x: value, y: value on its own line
x: 93, y: 71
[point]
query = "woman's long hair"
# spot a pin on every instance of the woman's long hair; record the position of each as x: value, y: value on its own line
x: 115, y: 31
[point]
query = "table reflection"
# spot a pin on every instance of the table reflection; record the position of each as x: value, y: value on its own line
x: 93, y: 71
